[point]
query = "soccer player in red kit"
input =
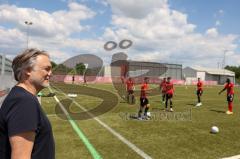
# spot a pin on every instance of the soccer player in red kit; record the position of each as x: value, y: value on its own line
x: 144, y: 103
x: 199, y: 92
x: 162, y: 87
x: 230, y: 95
x: 130, y: 90
x: 169, y: 93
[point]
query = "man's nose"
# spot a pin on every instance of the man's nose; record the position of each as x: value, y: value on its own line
x: 50, y: 73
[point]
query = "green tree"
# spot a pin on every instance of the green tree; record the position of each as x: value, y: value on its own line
x: 234, y: 69
x: 72, y: 72
x: 61, y: 70
x: 54, y: 65
x: 80, y: 68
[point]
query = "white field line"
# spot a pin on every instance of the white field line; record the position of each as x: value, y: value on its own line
x: 89, y: 146
x: 187, y: 100
x: 116, y: 134
x: 232, y: 157
x: 51, y: 115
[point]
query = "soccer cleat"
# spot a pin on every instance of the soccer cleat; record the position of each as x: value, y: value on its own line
x: 145, y: 117
x: 139, y: 118
x: 228, y: 112
x: 171, y: 109
x: 198, y: 104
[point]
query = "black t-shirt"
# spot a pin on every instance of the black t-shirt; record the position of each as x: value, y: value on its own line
x: 21, y: 112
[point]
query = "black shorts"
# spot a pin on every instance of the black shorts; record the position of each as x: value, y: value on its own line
x: 169, y: 96
x: 143, y: 101
x: 130, y: 92
x: 230, y: 97
x: 199, y: 92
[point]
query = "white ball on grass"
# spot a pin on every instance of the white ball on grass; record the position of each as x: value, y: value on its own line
x: 148, y: 114
x: 214, y: 130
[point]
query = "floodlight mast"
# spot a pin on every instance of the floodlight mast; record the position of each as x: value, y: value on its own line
x: 28, y: 23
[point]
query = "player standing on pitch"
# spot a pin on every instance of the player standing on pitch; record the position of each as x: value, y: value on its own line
x: 230, y: 94
x: 162, y: 87
x: 169, y: 94
x: 144, y: 103
x: 130, y: 90
x: 73, y: 79
x: 199, y: 92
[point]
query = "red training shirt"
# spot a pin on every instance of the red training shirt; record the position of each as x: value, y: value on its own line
x: 144, y: 88
x: 169, y: 88
x: 200, y: 85
x: 229, y: 87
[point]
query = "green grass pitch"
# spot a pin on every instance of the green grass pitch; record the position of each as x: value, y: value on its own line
x: 167, y: 138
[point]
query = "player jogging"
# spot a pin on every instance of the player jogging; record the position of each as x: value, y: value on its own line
x: 169, y: 94
x: 199, y: 92
x: 73, y: 79
x: 162, y: 87
x: 144, y: 103
x: 130, y: 90
x: 230, y: 95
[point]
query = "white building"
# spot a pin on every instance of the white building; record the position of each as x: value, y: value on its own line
x: 208, y: 74
x: 150, y: 69
x: 5, y: 65
x: 6, y: 73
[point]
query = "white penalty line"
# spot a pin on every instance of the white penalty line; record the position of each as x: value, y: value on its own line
x: 116, y: 134
x: 51, y: 115
x: 232, y: 157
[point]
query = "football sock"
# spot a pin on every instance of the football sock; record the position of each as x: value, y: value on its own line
x: 146, y: 110
x: 199, y: 100
x: 163, y: 98
x: 139, y: 113
x: 171, y: 104
x: 230, y: 105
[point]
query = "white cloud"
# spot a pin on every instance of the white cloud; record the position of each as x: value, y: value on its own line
x: 11, y: 38
x: 49, y: 31
x: 157, y: 21
x: 162, y: 34
x: 45, y: 24
x: 135, y: 9
x: 158, y: 32
x: 103, y: 2
x: 212, y: 32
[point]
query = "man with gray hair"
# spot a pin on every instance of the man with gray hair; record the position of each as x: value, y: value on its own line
x: 25, y: 131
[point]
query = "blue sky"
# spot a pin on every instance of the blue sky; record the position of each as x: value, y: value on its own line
x: 206, y: 13
x: 193, y: 33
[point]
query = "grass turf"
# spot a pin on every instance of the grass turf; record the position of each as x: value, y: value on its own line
x: 159, y: 138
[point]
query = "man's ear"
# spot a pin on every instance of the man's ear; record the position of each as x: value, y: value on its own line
x: 28, y: 71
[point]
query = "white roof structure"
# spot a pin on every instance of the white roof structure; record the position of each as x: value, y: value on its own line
x: 214, y: 71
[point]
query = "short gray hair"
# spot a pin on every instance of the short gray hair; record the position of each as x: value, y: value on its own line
x: 24, y: 61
